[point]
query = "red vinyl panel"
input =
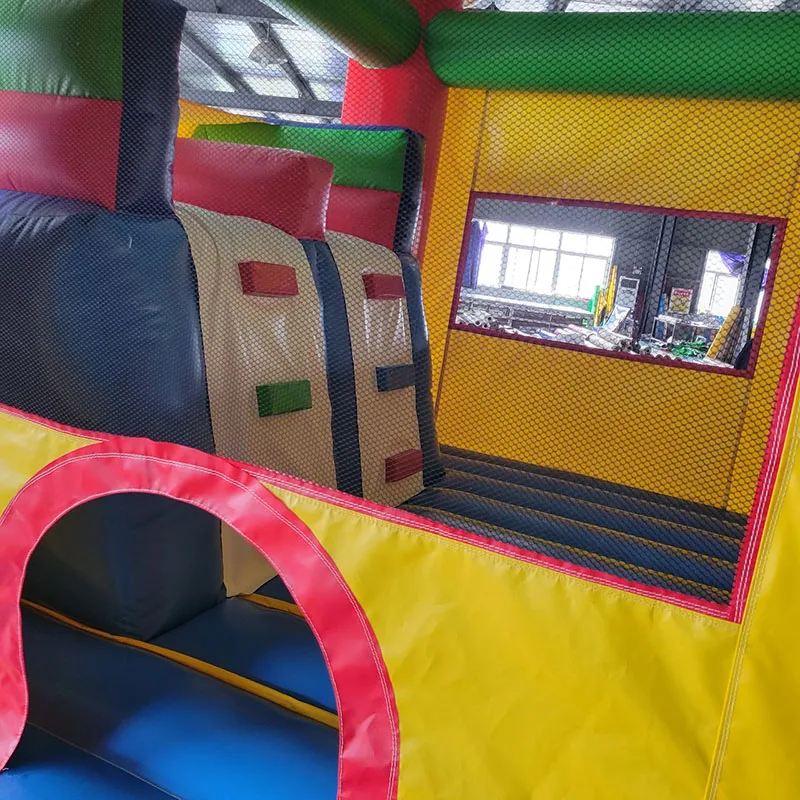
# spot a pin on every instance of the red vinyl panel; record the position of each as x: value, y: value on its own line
x: 283, y: 188
x: 63, y: 146
x: 406, y: 96
x: 403, y: 465
x: 383, y: 287
x: 370, y: 214
x: 368, y: 720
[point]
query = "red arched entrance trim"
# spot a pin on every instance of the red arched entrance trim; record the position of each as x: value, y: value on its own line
x: 369, y: 729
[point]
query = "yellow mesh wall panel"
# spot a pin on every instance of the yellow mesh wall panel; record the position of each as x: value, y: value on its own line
x: 699, y: 437
x: 448, y: 216
x: 757, y: 748
x: 487, y: 405
x: 758, y: 416
x: 704, y: 155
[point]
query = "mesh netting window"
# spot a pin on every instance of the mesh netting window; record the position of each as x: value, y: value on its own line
x: 683, y: 289
x: 602, y: 237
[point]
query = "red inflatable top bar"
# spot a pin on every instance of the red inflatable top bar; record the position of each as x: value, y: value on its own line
x: 284, y: 188
x: 36, y: 156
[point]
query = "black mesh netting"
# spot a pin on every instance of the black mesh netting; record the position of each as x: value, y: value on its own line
x: 609, y: 293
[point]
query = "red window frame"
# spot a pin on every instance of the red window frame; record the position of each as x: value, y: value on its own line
x: 780, y: 234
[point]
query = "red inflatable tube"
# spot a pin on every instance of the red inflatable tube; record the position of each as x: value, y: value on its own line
x: 368, y: 721
x: 284, y: 188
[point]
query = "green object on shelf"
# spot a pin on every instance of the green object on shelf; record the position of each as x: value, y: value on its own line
x: 732, y: 55
x: 283, y: 398
x: 592, y: 304
x: 695, y: 349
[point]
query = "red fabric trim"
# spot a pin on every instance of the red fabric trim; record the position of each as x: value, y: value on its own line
x: 400, y: 517
x: 63, y: 146
x: 283, y: 188
x: 370, y: 214
x: 369, y: 727
x: 378, y: 286
x: 677, y: 212
x: 403, y: 465
x: 268, y: 280
x: 780, y: 225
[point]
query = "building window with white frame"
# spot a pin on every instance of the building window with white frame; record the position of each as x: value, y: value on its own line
x: 544, y: 261
x: 720, y: 286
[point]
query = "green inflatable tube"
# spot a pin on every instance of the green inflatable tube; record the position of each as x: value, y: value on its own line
x: 376, y: 33
x: 366, y: 158
x: 753, y: 56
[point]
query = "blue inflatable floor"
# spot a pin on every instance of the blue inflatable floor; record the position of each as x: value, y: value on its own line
x: 631, y: 534
x: 636, y: 535
x: 271, y: 647
x: 46, y: 768
x: 628, y: 533
x: 276, y: 588
x: 185, y: 733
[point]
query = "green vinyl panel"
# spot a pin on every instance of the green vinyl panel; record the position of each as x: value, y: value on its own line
x: 368, y: 159
x: 62, y: 47
x: 711, y: 55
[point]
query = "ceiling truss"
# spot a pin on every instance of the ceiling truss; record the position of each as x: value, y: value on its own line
x: 260, y: 18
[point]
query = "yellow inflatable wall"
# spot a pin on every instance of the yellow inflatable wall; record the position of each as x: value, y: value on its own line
x: 193, y: 114
x: 517, y: 679
x: 512, y: 679
x: 693, y: 435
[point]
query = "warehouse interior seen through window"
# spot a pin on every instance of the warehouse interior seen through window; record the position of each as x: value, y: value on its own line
x: 686, y: 289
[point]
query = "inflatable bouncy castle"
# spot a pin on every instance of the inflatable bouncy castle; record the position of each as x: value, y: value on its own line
x: 444, y: 450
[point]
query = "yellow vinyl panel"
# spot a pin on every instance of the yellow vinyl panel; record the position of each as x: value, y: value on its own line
x: 448, y: 214
x: 514, y: 681
x: 194, y: 114
x: 757, y: 755
x: 28, y: 448
x: 704, y: 155
x: 719, y: 156
x: 663, y: 429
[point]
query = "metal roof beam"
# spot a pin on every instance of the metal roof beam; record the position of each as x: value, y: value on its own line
x: 267, y: 104
x: 193, y: 44
x: 241, y: 10
x: 303, y: 87
x: 679, y: 5
x: 376, y: 33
